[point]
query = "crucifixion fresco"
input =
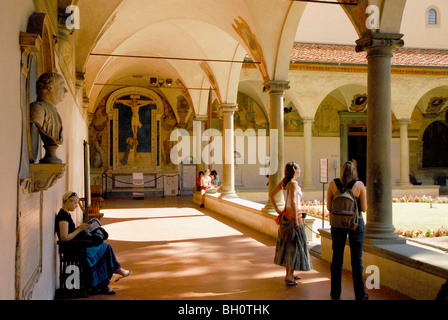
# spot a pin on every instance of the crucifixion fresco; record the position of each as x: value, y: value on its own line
x: 134, y: 127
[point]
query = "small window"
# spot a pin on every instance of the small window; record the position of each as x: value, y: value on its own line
x: 432, y: 17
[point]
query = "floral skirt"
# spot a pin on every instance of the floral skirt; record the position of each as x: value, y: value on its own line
x: 294, y: 254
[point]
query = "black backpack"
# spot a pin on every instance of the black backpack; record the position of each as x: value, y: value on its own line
x: 344, y: 212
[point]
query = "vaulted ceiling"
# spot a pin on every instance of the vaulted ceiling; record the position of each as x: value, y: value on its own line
x: 198, y: 44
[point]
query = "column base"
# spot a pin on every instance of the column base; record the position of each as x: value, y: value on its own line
x: 382, y: 235
x: 404, y: 184
x: 268, y: 208
x: 228, y: 195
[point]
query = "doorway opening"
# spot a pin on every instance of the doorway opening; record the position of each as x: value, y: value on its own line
x: 357, y: 149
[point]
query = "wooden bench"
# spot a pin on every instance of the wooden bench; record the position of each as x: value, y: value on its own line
x: 94, y: 209
x: 74, y: 272
x: 95, y: 191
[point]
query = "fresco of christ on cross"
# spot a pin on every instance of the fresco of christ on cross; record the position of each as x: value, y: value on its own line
x: 135, y: 104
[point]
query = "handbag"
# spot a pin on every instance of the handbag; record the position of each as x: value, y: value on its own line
x: 287, y: 230
x: 95, y: 237
x: 279, y: 217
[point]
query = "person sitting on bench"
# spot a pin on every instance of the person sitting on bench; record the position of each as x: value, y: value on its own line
x: 101, y: 259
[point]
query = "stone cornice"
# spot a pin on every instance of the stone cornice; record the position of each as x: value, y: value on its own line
x: 323, y: 67
x: 404, y: 121
x: 201, y: 117
x: 275, y: 85
x: 379, y: 40
x: 229, y: 107
x: 332, y: 67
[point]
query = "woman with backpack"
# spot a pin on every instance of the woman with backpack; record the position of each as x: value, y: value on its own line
x: 291, y: 250
x: 348, y: 181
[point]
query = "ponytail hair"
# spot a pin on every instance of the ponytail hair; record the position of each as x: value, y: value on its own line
x: 348, y: 172
x: 290, y: 171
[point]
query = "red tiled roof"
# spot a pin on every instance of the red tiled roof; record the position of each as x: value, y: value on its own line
x: 327, y: 53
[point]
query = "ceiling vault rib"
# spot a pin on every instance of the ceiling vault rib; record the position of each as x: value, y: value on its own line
x: 126, y: 85
x: 330, y: 2
x: 170, y: 58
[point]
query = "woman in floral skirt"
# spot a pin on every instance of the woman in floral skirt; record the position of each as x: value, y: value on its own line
x: 291, y: 250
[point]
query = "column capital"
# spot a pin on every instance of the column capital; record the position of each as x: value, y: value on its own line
x: 201, y: 117
x: 275, y: 85
x: 403, y: 121
x: 229, y: 107
x: 379, y: 40
x: 308, y: 119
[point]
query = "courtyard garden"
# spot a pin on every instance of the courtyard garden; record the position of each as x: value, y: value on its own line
x: 412, y: 216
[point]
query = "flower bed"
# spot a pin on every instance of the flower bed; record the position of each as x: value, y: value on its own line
x: 422, y: 199
x: 314, y: 208
x: 430, y: 233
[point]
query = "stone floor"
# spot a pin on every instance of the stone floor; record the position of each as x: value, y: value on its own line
x: 178, y: 251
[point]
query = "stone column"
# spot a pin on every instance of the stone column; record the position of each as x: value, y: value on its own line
x: 276, y: 137
x: 228, y: 188
x: 199, y: 128
x: 404, y: 152
x: 308, y: 161
x: 379, y: 227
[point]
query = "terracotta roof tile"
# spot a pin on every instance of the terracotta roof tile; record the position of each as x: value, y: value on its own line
x: 327, y: 53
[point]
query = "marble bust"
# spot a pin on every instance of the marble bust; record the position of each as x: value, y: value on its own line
x: 45, y: 118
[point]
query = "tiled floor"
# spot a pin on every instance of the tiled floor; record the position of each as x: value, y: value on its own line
x: 178, y: 251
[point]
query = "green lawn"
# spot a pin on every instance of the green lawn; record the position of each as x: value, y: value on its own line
x: 411, y: 215
x: 419, y: 216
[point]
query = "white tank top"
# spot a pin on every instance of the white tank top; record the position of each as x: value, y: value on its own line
x: 299, y: 197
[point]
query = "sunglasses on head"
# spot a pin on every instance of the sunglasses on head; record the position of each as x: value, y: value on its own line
x: 72, y: 195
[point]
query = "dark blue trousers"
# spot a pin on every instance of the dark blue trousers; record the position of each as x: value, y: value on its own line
x: 356, y: 240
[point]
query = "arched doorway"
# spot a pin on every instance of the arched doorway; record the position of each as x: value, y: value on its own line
x: 354, y: 141
x: 435, y: 145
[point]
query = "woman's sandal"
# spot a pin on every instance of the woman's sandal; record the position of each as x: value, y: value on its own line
x: 126, y: 274
x: 108, y: 290
x: 291, y: 283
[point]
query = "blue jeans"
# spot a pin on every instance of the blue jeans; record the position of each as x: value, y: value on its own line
x: 356, y: 240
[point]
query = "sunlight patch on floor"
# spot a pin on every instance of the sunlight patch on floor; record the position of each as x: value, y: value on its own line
x: 165, y: 225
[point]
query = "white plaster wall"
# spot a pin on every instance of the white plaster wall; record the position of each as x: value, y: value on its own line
x: 13, y: 19
x: 71, y: 153
x: 417, y: 34
x: 249, y: 174
x: 323, y: 148
x: 329, y: 24
x: 323, y: 23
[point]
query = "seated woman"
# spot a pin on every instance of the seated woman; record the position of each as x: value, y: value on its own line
x: 216, y: 180
x: 206, y: 186
x: 101, y: 259
x: 198, y: 180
